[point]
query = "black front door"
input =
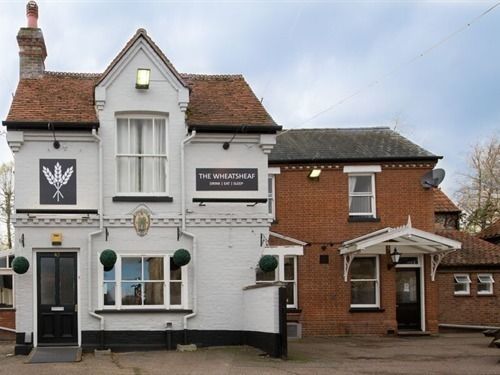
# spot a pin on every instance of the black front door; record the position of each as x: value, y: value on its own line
x: 408, y: 313
x: 57, y: 298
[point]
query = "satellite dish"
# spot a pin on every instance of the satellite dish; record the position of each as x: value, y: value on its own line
x: 432, y: 178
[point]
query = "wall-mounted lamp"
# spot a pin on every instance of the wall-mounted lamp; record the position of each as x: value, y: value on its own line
x: 314, y: 174
x: 395, y: 255
x: 142, y: 79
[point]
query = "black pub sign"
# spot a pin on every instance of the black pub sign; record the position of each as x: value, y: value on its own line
x: 57, y: 181
x: 212, y: 179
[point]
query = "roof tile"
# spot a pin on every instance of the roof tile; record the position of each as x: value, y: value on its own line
x: 442, y: 203
x: 474, y: 252
x: 341, y: 144
x: 493, y: 231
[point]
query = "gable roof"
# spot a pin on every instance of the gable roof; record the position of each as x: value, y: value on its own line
x: 493, y: 231
x: 216, y: 101
x: 442, y: 203
x: 474, y: 252
x: 141, y: 33
x: 345, y: 144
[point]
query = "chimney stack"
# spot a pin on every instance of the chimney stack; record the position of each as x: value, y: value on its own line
x: 32, y: 50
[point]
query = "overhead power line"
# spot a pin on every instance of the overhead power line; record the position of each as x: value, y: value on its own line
x: 398, y: 67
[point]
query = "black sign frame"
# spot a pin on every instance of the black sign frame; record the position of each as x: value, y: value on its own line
x: 227, y: 179
x: 57, y: 181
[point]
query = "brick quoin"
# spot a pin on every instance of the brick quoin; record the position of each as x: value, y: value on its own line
x: 316, y: 211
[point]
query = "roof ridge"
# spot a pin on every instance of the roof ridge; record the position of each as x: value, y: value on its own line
x: 211, y: 76
x: 72, y: 74
x: 350, y: 128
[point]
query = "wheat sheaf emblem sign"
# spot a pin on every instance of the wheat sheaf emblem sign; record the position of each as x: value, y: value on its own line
x: 57, y: 181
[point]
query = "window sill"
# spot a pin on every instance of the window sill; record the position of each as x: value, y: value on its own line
x: 139, y: 198
x: 293, y: 310
x: 363, y: 219
x: 462, y: 295
x: 486, y: 295
x: 365, y: 309
x: 141, y: 311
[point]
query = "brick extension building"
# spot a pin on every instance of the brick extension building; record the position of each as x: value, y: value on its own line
x: 353, y: 216
x: 469, y: 280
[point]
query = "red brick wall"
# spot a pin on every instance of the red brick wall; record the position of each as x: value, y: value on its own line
x: 8, y: 320
x: 472, y: 309
x: 317, y: 212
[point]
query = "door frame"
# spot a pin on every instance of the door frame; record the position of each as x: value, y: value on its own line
x: 35, y: 290
x: 421, y: 268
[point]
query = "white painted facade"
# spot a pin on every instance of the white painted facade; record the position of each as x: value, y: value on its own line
x: 227, y: 235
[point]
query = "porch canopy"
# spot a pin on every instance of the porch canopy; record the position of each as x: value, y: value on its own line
x: 406, y: 239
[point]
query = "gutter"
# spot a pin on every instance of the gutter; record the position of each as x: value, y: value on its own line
x: 89, y: 241
x: 355, y: 160
x: 259, y: 129
x: 467, y: 326
x: 189, y: 234
x: 50, y: 125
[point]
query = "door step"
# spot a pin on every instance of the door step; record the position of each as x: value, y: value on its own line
x: 413, y: 333
x: 55, y: 354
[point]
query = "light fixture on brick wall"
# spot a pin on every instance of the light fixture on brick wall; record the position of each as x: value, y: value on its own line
x: 395, y: 255
x: 142, y: 79
x: 314, y: 174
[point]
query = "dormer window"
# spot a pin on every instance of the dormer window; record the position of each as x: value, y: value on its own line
x: 141, y: 155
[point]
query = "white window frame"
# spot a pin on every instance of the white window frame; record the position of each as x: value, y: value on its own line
x: 166, y: 286
x: 489, y: 281
x: 271, y: 196
x: 7, y: 271
x: 353, y: 194
x: 467, y: 282
x: 281, y: 252
x: 146, y: 116
x: 377, y: 284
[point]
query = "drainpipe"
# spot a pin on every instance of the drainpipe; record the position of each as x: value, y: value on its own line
x: 89, y: 241
x: 183, y: 231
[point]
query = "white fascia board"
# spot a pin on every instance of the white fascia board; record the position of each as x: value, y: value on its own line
x: 286, y: 238
x: 362, y: 169
x: 274, y: 170
x: 283, y: 250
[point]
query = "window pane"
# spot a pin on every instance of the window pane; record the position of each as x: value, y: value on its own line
x: 483, y: 287
x: 109, y: 294
x: 3, y: 262
x: 363, y: 293
x: 175, y: 271
x: 460, y: 287
x: 159, y: 171
x: 159, y: 139
x: 47, y: 281
x: 146, y: 175
x: 109, y: 275
x: 364, y: 268
x: 153, y: 268
x: 175, y: 293
x: 131, y: 293
x: 289, y: 268
x: 123, y: 174
x: 6, y: 295
x: 131, y: 269
x: 360, y: 184
x: 265, y: 276
x: 290, y: 297
x: 360, y: 204
x: 67, y: 284
x: 153, y: 293
x: 122, y: 136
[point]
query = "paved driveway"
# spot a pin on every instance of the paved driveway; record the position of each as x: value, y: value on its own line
x: 447, y: 354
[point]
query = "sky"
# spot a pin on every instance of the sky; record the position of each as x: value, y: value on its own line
x: 314, y: 64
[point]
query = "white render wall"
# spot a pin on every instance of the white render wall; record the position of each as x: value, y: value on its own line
x: 228, y: 235
x: 260, y: 306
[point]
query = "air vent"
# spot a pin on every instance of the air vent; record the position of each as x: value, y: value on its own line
x: 294, y: 330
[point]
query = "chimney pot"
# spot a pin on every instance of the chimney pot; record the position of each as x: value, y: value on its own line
x: 32, y: 14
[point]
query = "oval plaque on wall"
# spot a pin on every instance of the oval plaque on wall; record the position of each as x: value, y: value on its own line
x: 142, y: 222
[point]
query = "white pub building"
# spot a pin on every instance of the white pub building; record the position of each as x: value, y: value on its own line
x: 141, y: 205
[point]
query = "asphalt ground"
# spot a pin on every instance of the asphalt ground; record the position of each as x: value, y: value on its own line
x: 446, y: 354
